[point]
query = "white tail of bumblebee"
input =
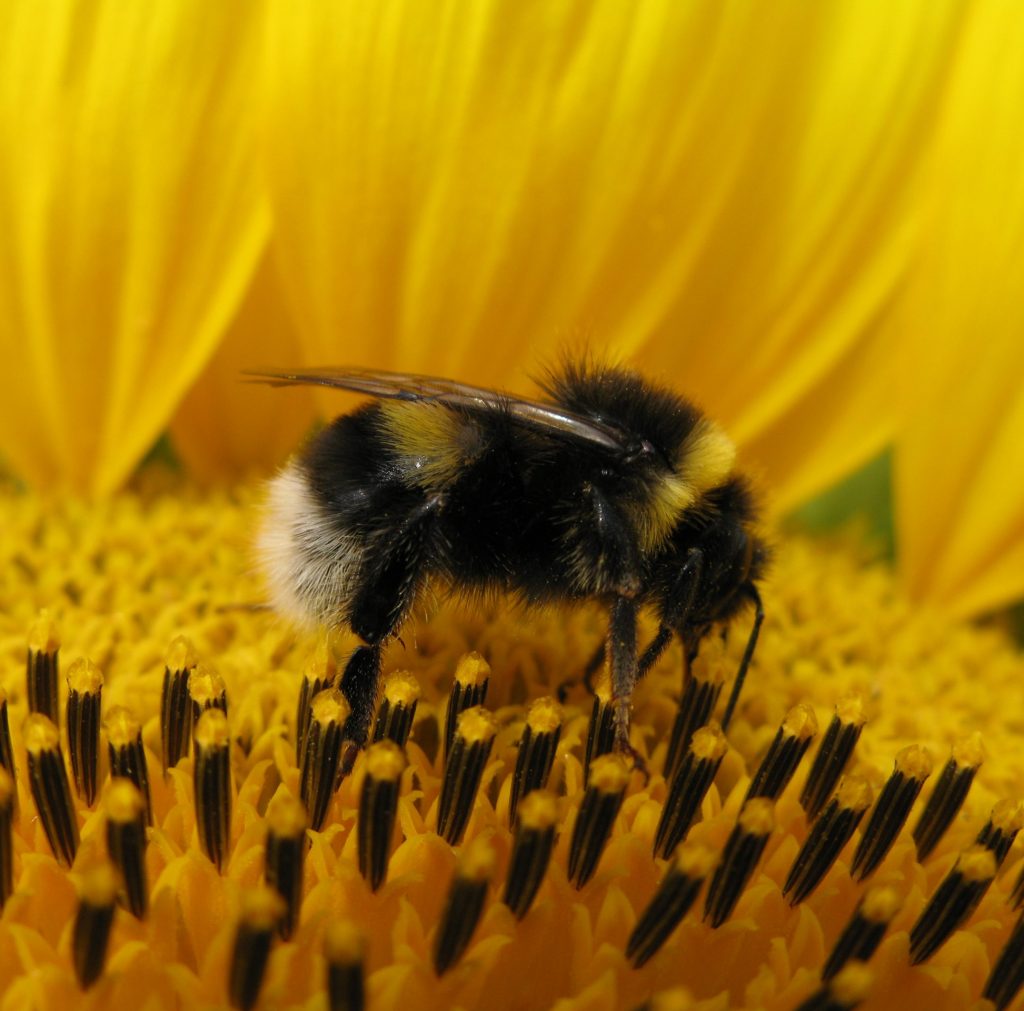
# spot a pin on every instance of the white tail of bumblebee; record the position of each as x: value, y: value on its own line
x: 308, y: 559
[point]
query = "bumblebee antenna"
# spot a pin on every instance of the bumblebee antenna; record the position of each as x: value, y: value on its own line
x: 750, y: 592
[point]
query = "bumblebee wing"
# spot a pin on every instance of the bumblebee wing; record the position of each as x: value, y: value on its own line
x: 545, y: 418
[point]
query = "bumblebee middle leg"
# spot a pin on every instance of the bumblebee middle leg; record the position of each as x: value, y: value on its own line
x: 675, y: 609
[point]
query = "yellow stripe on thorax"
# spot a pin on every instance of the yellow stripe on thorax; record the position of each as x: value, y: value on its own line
x: 707, y: 457
x: 704, y: 461
x: 432, y: 442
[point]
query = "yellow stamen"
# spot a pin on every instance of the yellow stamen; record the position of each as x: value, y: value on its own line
x: 671, y: 902
x: 127, y: 754
x: 999, y: 832
x: 85, y: 687
x: 469, y: 688
x: 864, y: 932
x: 321, y: 754
x: 949, y: 794
x: 206, y: 690
x: 537, y: 748
x: 175, y: 711
x: 788, y: 747
x: 262, y: 909
x: 48, y: 778
x: 397, y: 708
x: 345, y: 952
x: 601, y: 729
x: 531, y: 851
x: 689, y: 786
x: 285, y: 856
x: 42, y: 665
x: 832, y: 830
x: 834, y: 754
x: 321, y: 674
x: 742, y: 852
x: 953, y: 902
x: 91, y: 930
x: 700, y: 696
x: 474, y: 738
x: 913, y: 767
x: 599, y: 808
x: 211, y: 776
x: 126, y: 842
x: 465, y: 903
x: 378, y: 805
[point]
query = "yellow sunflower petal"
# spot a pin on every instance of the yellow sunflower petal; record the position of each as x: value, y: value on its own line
x: 225, y: 426
x: 131, y: 215
x: 960, y: 496
x: 719, y: 192
x: 784, y: 322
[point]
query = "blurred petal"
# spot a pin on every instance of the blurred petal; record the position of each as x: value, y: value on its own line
x: 828, y: 432
x: 785, y: 321
x: 717, y: 191
x: 131, y: 217
x: 226, y: 427
x: 960, y: 463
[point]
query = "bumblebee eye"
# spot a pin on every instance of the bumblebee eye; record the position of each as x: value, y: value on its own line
x: 644, y: 449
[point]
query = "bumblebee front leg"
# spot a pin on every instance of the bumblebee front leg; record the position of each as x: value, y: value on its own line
x: 750, y: 591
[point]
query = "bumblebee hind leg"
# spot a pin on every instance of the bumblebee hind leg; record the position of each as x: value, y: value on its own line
x: 359, y: 684
x: 397, y: 565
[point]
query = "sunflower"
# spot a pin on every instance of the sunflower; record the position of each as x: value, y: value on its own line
x: 807, y: 217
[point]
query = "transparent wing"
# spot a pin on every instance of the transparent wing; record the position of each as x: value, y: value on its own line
x: 533, y: 414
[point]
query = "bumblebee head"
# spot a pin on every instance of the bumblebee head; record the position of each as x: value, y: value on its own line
x: 673, y: 454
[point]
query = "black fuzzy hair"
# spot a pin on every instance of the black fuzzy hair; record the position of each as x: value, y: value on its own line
x: 610, y: 393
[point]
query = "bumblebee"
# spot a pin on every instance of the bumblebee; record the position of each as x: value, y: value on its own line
x: 611, y: 489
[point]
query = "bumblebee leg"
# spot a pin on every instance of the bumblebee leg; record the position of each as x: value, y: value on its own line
x: 650, y: 656
x: 359, y: 685
x: 622, y: 650
x: 750, y: 591
x: 386, y: 594
x: 675, y: 608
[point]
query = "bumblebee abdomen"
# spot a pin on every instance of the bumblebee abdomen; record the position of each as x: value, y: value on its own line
x: 429, y: 445
x: 386, y: 498
x: 328, y: 510
x: 310, y: 559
